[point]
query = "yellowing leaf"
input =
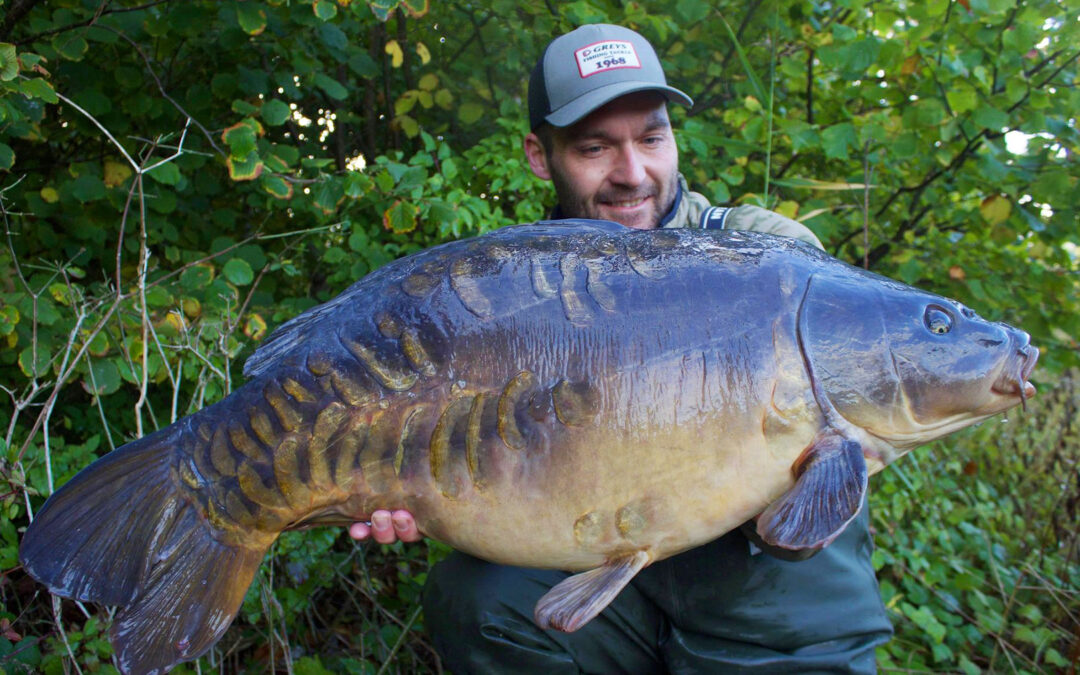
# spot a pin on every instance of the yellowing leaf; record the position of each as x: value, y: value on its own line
x: 788, y: 208
x: 324, y: 9
x: 397, y: 57
x: 255, y: 327
x: 429, y: 82
x: 425, y: 56
x: 401, y: 217
x: 444, y: 99
x: 277, y: 187
x: 995, y: 209
x: 415, y: 8
x: 49, y: 195
x: 192, y: 308
x: 251, y: 17
x: 249, y: 168
x: 116, y: 173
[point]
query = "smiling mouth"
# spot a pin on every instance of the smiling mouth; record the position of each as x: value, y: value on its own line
x: 627, y: 204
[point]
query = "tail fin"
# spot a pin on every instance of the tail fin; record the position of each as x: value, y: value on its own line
x: 121, y: 532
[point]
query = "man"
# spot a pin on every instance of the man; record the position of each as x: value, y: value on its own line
x: 601, y: 134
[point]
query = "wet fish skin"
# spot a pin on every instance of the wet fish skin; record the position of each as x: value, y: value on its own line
x: 570, y: 395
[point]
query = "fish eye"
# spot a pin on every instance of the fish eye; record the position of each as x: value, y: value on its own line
x: 937, y: 320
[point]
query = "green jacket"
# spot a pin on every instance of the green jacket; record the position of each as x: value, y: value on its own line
x: 692, y: 205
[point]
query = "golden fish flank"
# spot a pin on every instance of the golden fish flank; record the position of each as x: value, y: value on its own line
x: 388, y: 375
x: 507, y: 407
x: 472, y: 438
x: 239, y: 438
x: 288, y: 416
x: 463, y: 279
x: 574, y: 307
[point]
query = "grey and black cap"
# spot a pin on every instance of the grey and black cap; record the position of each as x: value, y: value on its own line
x: 590, y: 66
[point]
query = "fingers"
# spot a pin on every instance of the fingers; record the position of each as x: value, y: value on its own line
x: 405, y: 526
x: 387, y: 527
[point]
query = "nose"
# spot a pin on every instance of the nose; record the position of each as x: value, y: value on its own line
x: 629, y: 169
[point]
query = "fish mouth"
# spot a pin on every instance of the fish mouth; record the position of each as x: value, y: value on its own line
x: 1013, y: 380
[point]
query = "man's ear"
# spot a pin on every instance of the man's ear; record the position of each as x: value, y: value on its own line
x: 534, y: 152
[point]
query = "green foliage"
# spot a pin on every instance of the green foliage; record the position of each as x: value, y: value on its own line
x: 978, y: 542
x: 179, y: 177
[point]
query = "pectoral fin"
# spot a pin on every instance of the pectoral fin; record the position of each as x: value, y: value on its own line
x: 829, y: 488
x: 576, y: 600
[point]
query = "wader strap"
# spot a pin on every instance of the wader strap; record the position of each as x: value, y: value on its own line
x: 713, y: 217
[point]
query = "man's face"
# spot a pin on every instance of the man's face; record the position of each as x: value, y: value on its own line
x: 620, y: 163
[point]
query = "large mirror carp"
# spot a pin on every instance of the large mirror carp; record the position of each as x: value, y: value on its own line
x: 570, y: 395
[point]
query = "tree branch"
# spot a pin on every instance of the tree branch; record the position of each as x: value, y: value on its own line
x: 81, y: 24
x: 19, y: 9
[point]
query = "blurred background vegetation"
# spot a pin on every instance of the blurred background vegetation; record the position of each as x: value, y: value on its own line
x: 177, y: 177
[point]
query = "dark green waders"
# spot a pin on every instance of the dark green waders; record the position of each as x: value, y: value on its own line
x: 720, y: 608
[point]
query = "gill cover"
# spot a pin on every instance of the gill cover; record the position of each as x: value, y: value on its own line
x: 905, y: 365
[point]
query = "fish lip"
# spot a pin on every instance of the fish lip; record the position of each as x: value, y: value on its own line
x: 1013, y: 380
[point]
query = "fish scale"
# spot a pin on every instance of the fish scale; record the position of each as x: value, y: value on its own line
x: 571, y: 395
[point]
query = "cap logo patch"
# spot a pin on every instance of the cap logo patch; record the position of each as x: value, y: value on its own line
x: 603, y: 56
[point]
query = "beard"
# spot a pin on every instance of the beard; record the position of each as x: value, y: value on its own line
x: 574, y: 204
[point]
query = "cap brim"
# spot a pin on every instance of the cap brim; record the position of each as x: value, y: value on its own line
x: 583, y: 105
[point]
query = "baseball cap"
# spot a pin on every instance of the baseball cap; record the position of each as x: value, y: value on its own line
x: 590, y: 66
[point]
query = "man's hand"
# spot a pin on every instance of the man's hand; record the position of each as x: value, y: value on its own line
x: 387, y: 527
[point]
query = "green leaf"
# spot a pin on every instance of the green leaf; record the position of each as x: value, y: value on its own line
x: 989, y: 117
x: 251, y: 17
x: 9, y: 62
x: 7, y: 156
x: 333, y: 36
x: 39, y: 88
x: 961, y: 98
x: 242, y: 107
x: 196, y: 277
x: 332, y: 87
x: 103, y: 379
x: 167, y: 173
x: 9, y: 318
x: 328, y: 195
x: 692, y: 11
x: 409, y: 126
x: 837, y: 139
x: 238, y: 272
x: 325, y: 9
x: 382, y: 8
x: 356, y: 184
x: 363, y: 65
x: 72, y: 48
x: 470, y: 112
x: 34, y: 363
x: 759, y: 91
x: 276, y: 112
x: 88, y: 188
x: 240, y: 138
